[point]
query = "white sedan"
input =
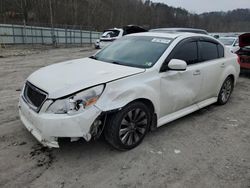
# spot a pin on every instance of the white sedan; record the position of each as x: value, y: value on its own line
x: 231, y: 42
x: 108, y: 37
x: 139, y: 82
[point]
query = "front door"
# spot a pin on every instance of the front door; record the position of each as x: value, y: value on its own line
x: 180, y: 89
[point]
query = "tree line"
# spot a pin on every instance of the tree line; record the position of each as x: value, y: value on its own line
x: 103, y: 14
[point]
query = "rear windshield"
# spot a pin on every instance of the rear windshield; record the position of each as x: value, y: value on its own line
x: 135, y: 51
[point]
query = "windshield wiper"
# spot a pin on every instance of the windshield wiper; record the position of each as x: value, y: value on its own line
x: 93, y: 57
x: 117, y: 63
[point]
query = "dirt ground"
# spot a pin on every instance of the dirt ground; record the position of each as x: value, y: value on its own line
x: 209, y: 148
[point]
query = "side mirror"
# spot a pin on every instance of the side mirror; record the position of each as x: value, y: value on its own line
x: 177, y: 65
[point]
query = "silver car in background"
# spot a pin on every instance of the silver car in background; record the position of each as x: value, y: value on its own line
x: 231, y: 42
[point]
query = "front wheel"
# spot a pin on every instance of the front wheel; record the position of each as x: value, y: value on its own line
x: 127, y: 128
x: 226, y: 91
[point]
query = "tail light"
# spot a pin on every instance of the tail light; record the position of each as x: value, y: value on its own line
x: 238, y: 59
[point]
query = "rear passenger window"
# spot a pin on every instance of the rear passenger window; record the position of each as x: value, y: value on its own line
x: 208, y: 51
x: 220, y: 50
x: 187, y: 52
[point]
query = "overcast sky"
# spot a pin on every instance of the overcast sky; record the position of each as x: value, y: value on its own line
x: 200, y: 6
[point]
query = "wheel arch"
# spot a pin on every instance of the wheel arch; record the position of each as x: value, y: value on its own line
x: 229, y: 72
x: 147, y: 102
x: 232, y: 76
x: 118, y: 97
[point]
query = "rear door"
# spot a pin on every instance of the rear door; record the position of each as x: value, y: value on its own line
x: 212, y: 63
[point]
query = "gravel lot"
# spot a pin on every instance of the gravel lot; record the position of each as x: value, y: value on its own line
x: 209, y: 148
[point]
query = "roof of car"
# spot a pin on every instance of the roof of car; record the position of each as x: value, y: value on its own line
x: 167, y: 35
x: 191, y: 30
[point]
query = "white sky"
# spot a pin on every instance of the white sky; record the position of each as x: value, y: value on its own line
x: 200, y: 6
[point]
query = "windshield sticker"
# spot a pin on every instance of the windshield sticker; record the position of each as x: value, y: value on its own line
x: 161, y: 40
x: 149, y: 64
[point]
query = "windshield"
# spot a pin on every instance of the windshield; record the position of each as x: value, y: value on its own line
x: 135, y: 51
x: 227, y: 41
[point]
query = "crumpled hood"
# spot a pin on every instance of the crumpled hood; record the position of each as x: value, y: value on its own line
x: 65, y: 78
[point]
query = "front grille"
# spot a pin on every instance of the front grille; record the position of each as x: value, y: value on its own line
x: 34, y: 96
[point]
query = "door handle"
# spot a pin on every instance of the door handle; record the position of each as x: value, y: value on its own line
x: 222, y: 65
x: 196, y: 72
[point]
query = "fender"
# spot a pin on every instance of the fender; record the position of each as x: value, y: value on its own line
x: 118, y: 94
x: 229, y: 70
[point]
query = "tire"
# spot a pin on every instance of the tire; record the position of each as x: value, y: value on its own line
x: 97, y: 47
x: 127, y: 128
x: 225, y: 91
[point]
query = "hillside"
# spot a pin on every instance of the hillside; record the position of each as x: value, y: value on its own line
x: 102, y: 14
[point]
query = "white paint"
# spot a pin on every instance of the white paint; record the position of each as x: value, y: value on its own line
x: 234, y: 46
x: 176, y: 151
x: 65, y: 78
x: 161, y: 40
x: 176, y: 64
x: 105, y: 41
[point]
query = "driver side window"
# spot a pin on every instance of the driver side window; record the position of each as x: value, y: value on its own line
x: 187, y: 52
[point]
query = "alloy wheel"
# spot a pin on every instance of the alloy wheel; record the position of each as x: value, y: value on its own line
x: 226, y: 90
x: 133, y: 127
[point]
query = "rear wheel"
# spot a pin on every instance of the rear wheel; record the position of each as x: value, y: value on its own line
x: 127, y: 128
x: 226, y: 91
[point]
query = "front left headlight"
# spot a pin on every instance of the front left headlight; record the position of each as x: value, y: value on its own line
x: 77, y: 102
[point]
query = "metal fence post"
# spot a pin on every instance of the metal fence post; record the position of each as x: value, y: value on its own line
x: 25, y: 34
x: 42, y: 36
x: 70, y: 37
x: 66, y: 37
x: 57, y: 37
x: 81, y: 36
x: 31, y: 28
x: 13, y: 32
x: 90, y: 37
x: 22, y: 34
x: 74, y: 37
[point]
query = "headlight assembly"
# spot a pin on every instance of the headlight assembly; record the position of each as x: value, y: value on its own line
x: 77, y: 102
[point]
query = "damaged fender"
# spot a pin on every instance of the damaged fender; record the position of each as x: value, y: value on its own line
x: 119, y: 93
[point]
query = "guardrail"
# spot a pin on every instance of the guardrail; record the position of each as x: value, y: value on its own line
x: 20, y: 34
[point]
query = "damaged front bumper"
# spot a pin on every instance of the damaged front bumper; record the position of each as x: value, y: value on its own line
x: 47, y: 128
